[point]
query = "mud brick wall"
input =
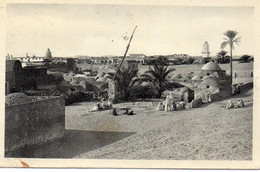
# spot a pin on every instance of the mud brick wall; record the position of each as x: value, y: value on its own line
x: 243, y: 74
x: 34, y: 122
x: 245, y: 87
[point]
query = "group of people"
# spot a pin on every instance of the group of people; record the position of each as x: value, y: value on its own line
x: 170, y: 105
x: 128, y: 111
x: 106, y: 105
x: 238, y: 104
x: 103, y: 105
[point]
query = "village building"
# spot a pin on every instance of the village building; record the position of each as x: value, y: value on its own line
x: 12, y: 72
x: 130, y: 64
x: 139, y: 58
x: 71, y: 64
x: 211, y: 84
x: 214, y: 85
x: 196, y: 80
x: 20, y: 79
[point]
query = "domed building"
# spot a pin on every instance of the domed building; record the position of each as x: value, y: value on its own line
x: 212, y: 89
x: 196, y: 80
x: 48, y: 54
x: 212, y: 84
x: 214, y: 69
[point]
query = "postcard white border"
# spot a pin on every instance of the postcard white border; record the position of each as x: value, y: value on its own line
x: 165, y: 164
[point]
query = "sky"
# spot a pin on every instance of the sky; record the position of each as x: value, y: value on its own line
x: 96, y: 30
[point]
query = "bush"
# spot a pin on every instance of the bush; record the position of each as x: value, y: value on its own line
x: 245, y: 59
x: 144, y: 90
x: 77, y: 97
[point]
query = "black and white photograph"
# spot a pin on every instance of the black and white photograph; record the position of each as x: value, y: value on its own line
x: 106, y: 81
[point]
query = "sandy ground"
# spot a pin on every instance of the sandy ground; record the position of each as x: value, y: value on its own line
x: 210, y: 132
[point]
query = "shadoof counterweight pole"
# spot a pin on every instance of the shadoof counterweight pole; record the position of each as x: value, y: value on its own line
x: 125, y: 53
x: 112, y: 85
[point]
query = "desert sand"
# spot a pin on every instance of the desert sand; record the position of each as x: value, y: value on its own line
x: 210, y: 132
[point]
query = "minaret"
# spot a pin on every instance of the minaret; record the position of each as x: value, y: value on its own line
x: 205, y: 50
x: 7, y: 57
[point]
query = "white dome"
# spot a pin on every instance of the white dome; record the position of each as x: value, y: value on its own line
x: 196, y: 77
x: 211, y: 66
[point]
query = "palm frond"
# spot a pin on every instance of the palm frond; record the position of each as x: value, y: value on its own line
x: 148, y: 74
x: 224, y: 44
x: 167, y: 73
x: 231, y: 34
x: 237, y: 40
x: 226, y: 39
x: 153, y: 73
x: 222, y: 53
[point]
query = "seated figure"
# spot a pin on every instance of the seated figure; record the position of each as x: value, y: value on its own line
x: 240, y: 103
x: 96, y: 107
x: 230, y: 104
x: 160, y: 107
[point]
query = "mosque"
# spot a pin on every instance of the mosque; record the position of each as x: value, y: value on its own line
x: 210, y: 84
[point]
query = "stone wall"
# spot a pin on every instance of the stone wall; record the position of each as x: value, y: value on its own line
x: 33, y: 123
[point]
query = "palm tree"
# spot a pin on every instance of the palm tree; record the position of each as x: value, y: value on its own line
x: 124, y: 82
x: 245, y: 58
x: 158, y: 75
x: 222, y: 57
x: 230, y: 39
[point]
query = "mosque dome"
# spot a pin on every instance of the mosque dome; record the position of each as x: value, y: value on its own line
x: 211, y: 66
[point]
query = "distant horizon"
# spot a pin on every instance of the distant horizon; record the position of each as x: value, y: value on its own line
x: 76, y: 56
x: 95, y: 30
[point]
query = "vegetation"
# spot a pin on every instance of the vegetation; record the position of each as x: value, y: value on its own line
x: 222, y: 57
x: 230, y: 40
x: 158, y: 75
x: 143, y: 90
x: 78, y: 96
x: 245, y: 59
x: 124, y: 81
x: 188, y: 60
x: 174, y: 60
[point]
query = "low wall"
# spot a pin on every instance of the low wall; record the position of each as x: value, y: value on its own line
x: 245, y: 87
x: 34, y: 123
x: 243, y: 74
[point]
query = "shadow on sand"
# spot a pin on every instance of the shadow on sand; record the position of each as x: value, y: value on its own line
x: 74, y: 142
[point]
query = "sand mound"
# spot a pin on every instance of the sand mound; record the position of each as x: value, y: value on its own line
x: 17, y: 98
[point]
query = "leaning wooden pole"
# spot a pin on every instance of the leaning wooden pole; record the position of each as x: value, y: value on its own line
x: 231, y: 61
x: 128, y: 45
